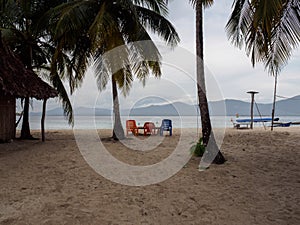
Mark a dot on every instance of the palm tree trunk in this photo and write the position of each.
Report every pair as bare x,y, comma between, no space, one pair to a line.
43,119
118,131
203,103
25,131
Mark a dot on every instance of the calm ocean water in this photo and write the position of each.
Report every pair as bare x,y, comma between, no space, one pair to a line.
105,122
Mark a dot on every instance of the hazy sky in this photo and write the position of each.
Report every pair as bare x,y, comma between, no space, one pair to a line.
229,66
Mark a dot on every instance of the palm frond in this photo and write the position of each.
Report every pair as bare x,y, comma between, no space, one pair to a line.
158,6
70,19
256,47
79,62
205,3
102,28
269,29
285,37
144,57
239,22
115,62
124,79
102,73
63,96
158,25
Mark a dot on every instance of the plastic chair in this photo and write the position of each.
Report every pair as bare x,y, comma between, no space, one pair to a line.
149,128
131,127
166,125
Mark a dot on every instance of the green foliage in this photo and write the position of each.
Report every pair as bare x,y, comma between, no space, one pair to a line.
198,149
25,27
63,38
270,30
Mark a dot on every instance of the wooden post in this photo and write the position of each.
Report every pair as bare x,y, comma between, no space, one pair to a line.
43,119
252,103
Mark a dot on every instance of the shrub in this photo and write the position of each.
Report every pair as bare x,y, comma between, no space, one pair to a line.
198,149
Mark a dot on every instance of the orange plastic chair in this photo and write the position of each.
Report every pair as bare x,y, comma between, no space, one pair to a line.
131,127
149,128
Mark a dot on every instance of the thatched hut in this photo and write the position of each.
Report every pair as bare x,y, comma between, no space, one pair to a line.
17,82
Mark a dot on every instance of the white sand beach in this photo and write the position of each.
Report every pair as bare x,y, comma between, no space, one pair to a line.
51,183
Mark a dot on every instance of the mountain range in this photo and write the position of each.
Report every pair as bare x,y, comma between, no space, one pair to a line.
286,107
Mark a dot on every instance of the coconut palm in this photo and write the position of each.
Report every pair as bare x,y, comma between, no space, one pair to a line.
22,30
104,25
207,134
270,31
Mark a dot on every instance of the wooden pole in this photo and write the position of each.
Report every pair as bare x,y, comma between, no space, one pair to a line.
252,103
43,119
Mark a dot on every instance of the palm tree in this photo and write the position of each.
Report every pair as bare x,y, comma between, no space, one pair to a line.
105,25
123,63
270,31
207,133
21,27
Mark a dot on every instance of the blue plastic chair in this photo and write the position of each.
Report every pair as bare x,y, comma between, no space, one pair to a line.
166,125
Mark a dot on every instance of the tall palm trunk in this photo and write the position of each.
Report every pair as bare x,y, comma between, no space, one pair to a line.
25,132
118,131
207,133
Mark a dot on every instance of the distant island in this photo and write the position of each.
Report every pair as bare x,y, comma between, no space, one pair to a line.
286,107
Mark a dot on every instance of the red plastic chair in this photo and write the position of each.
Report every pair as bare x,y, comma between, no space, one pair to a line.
149,128
131,127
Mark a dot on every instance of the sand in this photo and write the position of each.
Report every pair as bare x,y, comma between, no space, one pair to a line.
51,183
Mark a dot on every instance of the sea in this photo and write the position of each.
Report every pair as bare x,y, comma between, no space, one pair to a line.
106,122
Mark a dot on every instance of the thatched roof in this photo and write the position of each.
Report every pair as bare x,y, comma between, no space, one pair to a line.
18,81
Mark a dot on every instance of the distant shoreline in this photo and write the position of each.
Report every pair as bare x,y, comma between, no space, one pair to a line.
105,122
287,107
